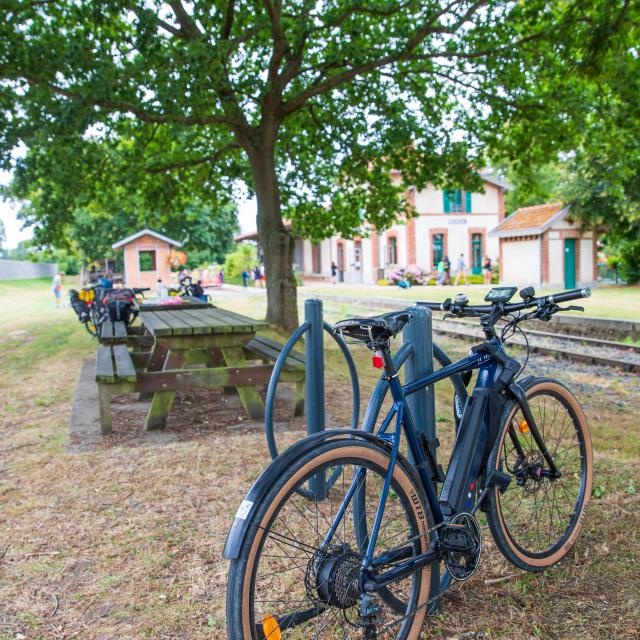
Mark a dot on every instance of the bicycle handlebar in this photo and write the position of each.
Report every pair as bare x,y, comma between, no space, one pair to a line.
553,299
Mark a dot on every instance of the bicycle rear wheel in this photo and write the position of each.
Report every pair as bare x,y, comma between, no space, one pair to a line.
287,583
537,520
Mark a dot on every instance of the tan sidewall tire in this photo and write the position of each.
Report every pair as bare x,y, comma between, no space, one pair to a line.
380,458
521,559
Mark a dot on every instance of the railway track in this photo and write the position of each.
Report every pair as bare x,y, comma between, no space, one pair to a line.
578,348
591,350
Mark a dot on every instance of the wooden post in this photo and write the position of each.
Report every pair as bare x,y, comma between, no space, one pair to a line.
249,395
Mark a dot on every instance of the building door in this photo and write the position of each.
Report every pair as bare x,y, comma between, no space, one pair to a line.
357,262
438,248
569,263
340,262
476,254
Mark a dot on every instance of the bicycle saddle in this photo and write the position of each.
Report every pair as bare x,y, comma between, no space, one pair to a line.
370,330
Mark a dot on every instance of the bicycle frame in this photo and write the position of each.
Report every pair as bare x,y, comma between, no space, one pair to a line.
467,459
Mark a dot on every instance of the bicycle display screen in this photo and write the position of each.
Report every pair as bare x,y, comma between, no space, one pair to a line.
500,294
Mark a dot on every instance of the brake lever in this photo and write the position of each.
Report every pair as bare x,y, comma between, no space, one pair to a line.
571,307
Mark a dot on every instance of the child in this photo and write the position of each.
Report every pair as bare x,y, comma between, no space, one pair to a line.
245,279
56,287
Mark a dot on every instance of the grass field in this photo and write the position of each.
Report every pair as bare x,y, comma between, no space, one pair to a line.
124,541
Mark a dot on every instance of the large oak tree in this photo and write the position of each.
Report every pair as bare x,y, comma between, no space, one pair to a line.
310,103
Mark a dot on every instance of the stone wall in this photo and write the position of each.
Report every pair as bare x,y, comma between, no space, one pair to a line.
24,269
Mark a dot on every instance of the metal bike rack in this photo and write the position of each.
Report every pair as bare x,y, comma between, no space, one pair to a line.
416,354
315,326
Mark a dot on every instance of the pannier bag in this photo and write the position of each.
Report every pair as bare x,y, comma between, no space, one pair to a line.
79,306
87,295
119,304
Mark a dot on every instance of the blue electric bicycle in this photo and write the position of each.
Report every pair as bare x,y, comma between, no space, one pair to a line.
357,561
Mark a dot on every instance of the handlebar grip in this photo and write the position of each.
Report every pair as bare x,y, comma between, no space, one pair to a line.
565,296
434,306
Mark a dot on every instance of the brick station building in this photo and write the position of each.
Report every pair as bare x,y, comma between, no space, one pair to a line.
447,222
146,258
541,245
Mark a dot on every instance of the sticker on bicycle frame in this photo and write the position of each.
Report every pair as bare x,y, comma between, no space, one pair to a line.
243,509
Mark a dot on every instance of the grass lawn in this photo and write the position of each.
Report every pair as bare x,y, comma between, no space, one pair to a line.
124,541
622,303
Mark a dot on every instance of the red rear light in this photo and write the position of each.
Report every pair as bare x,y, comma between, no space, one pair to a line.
378,361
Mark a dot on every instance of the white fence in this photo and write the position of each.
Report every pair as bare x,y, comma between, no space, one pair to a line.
24,269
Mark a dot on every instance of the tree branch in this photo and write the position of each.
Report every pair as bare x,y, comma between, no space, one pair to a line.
320,87
120,106
187,24
185,164
227,24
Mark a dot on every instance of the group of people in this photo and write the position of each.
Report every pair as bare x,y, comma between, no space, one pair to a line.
258,275
444,271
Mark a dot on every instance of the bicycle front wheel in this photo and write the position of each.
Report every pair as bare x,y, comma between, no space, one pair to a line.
537,520
288,583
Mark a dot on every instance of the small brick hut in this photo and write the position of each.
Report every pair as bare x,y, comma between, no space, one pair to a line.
541,245
146,258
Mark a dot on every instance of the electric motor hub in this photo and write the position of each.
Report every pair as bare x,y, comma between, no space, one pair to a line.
332,576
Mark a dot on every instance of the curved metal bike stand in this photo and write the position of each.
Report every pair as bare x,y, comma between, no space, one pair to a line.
273,386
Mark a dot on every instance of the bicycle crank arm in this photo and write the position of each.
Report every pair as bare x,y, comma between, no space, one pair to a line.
373,583
293,619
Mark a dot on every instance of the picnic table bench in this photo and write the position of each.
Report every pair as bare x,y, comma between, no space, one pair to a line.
113,332
193,348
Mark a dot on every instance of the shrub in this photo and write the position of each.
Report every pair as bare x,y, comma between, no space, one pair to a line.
411,274
244,257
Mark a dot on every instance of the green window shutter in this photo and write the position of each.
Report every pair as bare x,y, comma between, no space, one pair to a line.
467,204
447,201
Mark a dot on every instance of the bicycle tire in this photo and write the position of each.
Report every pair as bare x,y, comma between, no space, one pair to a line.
513,529
244,614
91,328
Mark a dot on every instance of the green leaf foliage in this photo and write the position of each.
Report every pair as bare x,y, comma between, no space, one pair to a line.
310,104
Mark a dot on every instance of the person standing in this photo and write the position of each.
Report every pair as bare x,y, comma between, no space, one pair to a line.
334,273
441,274
245,279
256,277
447,270
56,287
263,277
461,272
488,270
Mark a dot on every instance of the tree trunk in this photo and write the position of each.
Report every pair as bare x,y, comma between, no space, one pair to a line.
276,242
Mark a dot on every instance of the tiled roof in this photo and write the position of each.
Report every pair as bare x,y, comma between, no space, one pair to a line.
530,220
145,232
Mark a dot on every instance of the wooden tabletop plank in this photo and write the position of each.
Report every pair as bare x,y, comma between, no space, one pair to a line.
210,323
179,325
239,323
124,365
199,323
155,324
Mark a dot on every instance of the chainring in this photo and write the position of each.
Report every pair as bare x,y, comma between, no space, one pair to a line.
463,564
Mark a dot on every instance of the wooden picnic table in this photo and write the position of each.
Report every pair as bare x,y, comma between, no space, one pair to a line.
181,349
210,336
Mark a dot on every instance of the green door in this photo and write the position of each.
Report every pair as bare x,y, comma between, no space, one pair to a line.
438,248
476,254
569,263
